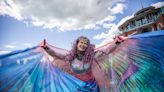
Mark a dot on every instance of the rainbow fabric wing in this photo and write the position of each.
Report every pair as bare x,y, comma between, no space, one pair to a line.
137,64
31,71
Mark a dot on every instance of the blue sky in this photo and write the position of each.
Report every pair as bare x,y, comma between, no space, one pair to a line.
25,23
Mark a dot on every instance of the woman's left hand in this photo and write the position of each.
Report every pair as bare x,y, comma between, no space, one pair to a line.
120,39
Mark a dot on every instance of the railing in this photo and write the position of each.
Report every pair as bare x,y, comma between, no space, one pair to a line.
140,24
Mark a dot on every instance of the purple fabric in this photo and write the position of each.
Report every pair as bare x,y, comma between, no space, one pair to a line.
131,69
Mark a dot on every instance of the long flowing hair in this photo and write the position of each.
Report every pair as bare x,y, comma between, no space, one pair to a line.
89,53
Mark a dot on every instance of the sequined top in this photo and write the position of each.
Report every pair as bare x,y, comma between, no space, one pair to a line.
79,67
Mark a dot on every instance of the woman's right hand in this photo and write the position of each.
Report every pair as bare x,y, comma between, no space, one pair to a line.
43,44
43,47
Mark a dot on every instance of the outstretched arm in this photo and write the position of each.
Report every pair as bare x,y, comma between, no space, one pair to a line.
47,48
113,45
102,52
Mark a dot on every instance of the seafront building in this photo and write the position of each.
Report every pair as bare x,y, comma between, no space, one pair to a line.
145,20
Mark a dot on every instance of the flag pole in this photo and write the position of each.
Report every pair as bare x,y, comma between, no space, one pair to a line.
141,4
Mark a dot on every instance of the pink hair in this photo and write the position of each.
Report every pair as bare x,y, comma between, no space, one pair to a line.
89,53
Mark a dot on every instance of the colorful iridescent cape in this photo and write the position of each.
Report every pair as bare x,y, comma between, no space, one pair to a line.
136,65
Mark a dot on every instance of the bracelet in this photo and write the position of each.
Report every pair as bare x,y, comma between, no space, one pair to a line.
117,42
46,48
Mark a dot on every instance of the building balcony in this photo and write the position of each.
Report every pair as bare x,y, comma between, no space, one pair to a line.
138,24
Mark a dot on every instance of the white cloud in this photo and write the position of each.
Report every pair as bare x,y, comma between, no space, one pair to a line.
4,52
28,44
8,7
14,46
10,46
112,32
107,25
108,36
159,4
118,8
113,28
62,14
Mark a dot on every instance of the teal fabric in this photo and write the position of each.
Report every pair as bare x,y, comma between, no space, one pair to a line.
29,71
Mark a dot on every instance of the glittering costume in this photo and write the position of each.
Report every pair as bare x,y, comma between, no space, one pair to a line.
135,65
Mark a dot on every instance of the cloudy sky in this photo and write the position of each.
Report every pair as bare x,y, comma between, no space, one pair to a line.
25,23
